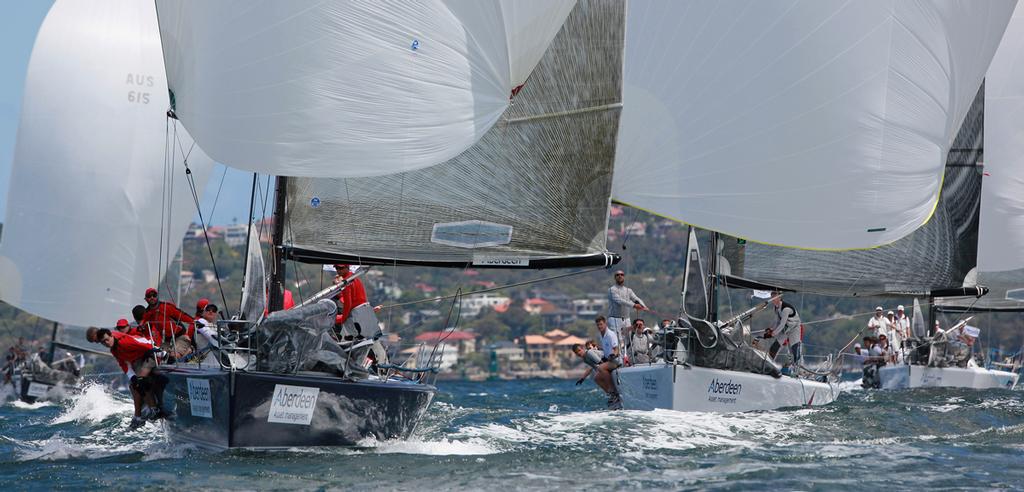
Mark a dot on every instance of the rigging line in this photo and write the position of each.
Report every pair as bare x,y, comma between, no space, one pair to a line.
168,145
206,235
448,322
216,197
497,288
851,316
170,209
625,237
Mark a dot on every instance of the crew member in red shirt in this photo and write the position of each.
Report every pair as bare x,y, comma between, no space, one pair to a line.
351,297
137,357
172,325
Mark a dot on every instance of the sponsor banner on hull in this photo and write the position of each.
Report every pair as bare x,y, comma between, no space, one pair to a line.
724,392
199,399
38,390
293,404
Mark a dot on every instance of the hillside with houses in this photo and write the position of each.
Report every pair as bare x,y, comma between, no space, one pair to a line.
507,323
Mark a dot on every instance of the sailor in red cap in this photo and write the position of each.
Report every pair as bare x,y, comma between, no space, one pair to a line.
200,306
173,327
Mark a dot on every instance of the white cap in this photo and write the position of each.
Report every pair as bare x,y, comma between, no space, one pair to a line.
890,312
856,345
972,331
900,308
879,308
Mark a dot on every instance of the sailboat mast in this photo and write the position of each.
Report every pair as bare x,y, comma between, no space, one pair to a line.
713,279
53,338
277,273
930,326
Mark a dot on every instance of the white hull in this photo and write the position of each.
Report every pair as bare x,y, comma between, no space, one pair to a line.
700,389
907,376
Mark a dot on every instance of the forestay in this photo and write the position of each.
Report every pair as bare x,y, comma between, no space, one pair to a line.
938,255
532,193
813,124
86,210
348,88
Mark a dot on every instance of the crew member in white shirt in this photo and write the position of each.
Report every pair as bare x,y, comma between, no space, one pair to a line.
878,325
612,360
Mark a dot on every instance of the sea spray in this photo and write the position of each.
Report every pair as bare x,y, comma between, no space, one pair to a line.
94,404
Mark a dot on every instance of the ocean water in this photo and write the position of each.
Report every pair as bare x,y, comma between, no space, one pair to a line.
547,434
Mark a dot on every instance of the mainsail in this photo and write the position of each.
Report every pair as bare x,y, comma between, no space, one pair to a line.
937,256
815,124
87,209
533,192
1001,229
348,88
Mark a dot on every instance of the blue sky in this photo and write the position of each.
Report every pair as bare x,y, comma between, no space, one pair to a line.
18,26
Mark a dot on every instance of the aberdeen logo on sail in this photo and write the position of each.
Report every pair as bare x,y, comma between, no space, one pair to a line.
724,388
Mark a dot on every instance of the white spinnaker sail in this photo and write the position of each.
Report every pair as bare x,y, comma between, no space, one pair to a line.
813,124
85,209
348,88
1001,230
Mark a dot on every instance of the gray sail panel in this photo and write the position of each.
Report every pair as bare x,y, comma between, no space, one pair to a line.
939,255
696,302
536,186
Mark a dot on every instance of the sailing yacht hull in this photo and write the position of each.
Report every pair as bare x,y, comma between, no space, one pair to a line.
221,409
701,389
913,376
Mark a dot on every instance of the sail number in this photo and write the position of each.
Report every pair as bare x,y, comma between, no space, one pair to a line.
138,97
135,81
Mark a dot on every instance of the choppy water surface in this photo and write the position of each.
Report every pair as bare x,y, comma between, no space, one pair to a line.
551,434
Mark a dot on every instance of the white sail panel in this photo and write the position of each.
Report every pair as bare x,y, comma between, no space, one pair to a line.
81,238
813,124
347,89
532,193
1001,233
254,292
530,26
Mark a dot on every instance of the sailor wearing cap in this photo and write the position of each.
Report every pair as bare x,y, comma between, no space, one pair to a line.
621,300
902,324
878,324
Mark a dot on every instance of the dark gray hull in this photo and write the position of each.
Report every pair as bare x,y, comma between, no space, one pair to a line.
264,410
